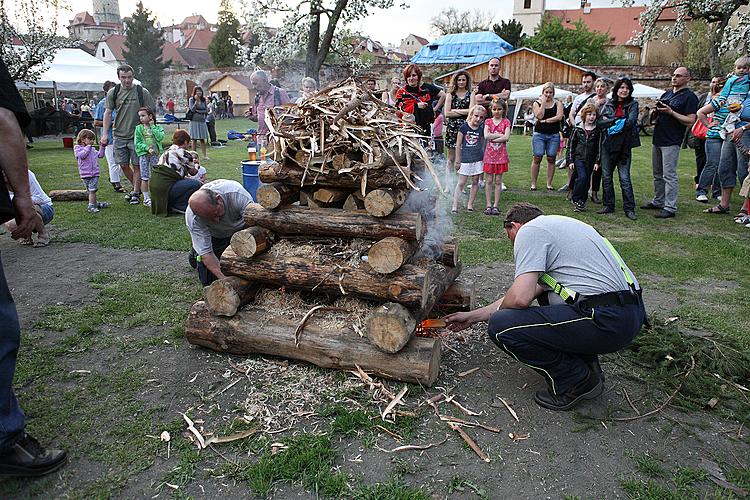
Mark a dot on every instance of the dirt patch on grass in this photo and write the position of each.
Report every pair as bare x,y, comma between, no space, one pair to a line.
149,375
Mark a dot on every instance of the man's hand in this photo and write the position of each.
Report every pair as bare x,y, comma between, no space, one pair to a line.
505,94
458,321
737,134
103,140
25,217
596,167
571,166
421,105
665,109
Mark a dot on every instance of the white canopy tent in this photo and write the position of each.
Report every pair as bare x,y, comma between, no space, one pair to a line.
74,70
641,91
531,94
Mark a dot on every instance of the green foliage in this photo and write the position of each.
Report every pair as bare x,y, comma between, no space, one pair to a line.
223,48
649,465
394,489
697,47
577,45
512,32
143,48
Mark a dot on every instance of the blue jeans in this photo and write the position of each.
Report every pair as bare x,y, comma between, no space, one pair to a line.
709,174
733,162
558,341
179,194
12,420
621,160
582,180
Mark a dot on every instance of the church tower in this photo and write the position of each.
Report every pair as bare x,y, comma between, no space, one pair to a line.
107,11
529,13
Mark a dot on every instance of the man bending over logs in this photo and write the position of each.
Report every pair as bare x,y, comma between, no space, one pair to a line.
213,215
590,304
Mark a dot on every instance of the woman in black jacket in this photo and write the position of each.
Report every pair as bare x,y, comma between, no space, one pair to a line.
584,154
619,124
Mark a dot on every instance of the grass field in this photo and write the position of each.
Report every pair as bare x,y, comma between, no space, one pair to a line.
100,415
688,253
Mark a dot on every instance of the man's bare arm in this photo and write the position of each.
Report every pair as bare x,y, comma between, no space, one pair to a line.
13,162
212,264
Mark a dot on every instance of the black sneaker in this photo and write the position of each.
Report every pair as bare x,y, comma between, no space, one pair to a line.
605,210
631,215
596,369
664,214
28,458
579,207
650,206
589,388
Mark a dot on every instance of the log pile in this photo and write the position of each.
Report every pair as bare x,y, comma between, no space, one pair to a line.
351,261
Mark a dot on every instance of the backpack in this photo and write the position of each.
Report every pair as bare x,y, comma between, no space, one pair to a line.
138,90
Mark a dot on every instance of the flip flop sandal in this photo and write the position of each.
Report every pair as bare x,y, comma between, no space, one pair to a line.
488,211
118,188
454,211
718,209
495,211
469,209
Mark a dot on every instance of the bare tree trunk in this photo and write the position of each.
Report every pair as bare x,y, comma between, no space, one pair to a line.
317,48
714,61
313,41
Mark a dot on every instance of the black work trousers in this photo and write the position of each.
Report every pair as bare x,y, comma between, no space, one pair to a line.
206,276
559,341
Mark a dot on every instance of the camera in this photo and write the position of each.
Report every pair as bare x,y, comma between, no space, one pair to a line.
661,104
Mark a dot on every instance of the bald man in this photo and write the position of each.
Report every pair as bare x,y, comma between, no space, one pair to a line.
675,111
213,215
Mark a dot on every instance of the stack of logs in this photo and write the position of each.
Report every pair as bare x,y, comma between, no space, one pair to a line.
347,171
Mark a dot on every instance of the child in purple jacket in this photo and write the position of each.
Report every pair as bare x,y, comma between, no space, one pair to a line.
88,166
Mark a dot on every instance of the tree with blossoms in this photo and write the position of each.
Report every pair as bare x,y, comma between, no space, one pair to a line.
313,29
725,35
27,46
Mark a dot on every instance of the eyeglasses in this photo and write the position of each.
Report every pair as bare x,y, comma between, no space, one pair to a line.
680,76
507,224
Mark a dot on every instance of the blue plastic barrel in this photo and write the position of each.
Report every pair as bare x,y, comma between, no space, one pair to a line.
250,179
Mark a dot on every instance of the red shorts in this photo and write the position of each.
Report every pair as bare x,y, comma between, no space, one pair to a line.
495,168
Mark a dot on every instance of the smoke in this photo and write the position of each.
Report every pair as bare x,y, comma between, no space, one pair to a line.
434,207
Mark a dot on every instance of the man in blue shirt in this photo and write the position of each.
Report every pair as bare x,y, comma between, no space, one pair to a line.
109,150
675,111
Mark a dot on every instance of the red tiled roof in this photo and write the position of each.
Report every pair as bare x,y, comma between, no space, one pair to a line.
115,43
82,18
421,40
197,39
196,19
621,23
169,54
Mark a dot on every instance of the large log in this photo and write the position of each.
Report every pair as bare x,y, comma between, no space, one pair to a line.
383,202
272,196
381,177
251,241
225,296
445,253
410,285
391,326
69,195
389,254
340,349
335,222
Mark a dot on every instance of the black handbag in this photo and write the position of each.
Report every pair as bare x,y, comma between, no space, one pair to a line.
189,114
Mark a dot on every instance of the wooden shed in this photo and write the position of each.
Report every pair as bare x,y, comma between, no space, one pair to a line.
525,67
238,87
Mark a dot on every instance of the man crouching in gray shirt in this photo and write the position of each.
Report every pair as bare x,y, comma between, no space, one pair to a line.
214,214
590,304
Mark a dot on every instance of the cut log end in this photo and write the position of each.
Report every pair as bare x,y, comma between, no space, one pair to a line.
251,241
389,254
383,202
390,327
224,297
272,196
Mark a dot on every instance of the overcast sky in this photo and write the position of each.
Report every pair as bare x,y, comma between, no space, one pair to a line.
388,27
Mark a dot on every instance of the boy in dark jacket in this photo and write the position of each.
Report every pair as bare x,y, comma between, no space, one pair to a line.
583,155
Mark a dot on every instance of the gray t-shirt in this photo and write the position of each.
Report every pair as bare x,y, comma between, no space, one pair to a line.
236,200
570,251
127,106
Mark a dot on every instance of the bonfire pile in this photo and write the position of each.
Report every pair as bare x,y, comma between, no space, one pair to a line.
340,263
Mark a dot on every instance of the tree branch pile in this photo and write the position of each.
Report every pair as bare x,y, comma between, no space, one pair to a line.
302,247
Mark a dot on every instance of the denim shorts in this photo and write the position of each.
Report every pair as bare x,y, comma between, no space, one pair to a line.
147,162
46,211
545,144
125,152
91,183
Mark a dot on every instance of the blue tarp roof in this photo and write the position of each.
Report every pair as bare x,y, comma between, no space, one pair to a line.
462,48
